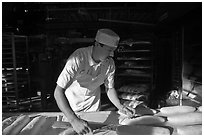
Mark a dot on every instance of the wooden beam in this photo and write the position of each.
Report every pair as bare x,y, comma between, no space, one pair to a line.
126,22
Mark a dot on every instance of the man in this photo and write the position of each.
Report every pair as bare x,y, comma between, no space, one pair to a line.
78,86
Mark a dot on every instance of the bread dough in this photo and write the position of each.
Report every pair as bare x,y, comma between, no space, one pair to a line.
176,110
190,130
147,120
17,125
185,119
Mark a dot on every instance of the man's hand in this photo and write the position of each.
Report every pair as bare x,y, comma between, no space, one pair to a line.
81,126
129,111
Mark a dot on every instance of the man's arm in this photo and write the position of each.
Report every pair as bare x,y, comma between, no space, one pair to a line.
112,95
63,103
79,125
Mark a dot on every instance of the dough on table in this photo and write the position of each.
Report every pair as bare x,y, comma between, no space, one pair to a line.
190,130
192,118
147,120
171,110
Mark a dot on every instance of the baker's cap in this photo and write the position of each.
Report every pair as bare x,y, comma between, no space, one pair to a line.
107,37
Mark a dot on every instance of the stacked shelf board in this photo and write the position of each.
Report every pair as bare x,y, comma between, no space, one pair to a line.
15,73
134,70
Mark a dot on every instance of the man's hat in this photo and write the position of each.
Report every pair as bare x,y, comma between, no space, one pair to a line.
107,37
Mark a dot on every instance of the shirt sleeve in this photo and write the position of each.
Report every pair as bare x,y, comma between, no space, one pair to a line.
109,81
69,71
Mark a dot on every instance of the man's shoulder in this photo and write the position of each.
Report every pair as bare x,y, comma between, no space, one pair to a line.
81,52
110,61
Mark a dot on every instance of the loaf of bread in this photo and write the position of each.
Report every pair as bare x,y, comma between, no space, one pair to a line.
8,121
17,125
143,120
33,127
190,130
176,110
185,119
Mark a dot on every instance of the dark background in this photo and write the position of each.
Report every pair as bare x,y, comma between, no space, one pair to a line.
55,30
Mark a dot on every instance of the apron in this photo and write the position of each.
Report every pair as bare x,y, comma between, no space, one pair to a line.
84,93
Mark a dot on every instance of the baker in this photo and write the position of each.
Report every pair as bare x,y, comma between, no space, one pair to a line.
78,85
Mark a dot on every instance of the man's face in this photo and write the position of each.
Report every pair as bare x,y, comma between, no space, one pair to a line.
105,51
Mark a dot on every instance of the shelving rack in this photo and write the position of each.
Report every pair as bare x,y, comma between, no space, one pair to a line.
134,64
15,73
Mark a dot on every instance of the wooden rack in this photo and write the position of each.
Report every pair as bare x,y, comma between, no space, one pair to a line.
134,65
15,73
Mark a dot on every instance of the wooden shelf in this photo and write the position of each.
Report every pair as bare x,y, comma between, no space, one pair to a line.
133,59
134,63
134,51
135,67
15,79
133,75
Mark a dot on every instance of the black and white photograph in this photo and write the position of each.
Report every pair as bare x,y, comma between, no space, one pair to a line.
101,68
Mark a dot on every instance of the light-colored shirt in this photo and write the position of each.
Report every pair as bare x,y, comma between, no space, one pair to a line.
87,76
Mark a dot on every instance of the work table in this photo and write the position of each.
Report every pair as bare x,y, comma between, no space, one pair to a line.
103,122
101,118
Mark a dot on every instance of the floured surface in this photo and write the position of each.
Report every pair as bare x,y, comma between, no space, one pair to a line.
55,123
142,130
106,123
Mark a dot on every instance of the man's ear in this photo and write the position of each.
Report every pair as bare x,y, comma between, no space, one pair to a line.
96,43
